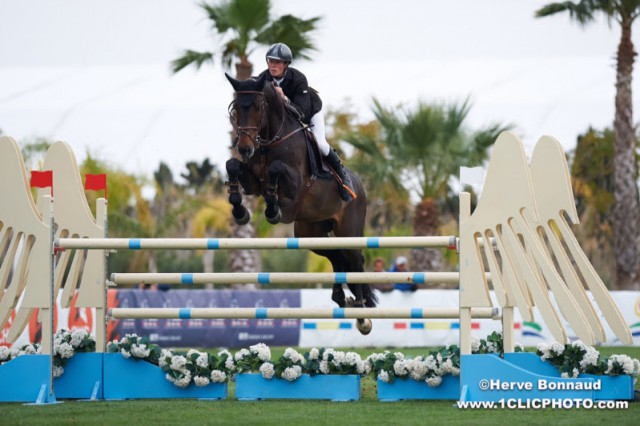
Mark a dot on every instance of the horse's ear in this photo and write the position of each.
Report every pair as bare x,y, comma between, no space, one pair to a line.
233,81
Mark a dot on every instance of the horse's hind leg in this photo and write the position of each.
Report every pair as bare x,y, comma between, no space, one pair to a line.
239,212
321,229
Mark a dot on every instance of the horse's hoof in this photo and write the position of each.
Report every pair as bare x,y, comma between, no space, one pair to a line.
364,326
349,302
276,219
244,219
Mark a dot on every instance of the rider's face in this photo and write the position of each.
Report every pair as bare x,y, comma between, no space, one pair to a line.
276,68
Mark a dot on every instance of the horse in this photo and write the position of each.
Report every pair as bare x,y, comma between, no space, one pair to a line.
275,157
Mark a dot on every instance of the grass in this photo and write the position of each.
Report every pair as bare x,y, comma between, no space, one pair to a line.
368,411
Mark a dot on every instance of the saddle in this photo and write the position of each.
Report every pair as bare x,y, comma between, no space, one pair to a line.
318,168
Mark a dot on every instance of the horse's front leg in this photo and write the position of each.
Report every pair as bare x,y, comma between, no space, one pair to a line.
240,213
272,213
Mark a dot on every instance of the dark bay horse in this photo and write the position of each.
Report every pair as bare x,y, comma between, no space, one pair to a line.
273,157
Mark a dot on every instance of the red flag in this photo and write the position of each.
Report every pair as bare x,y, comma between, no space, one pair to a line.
42,179
96,183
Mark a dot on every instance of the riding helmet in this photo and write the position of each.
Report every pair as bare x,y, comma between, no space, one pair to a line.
280,52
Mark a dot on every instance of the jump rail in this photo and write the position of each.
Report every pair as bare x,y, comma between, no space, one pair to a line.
301,313
257,244
287,278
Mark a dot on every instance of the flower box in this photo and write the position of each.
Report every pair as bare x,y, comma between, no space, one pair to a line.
82,377
611,387
405,389
251,387
128,378
26,379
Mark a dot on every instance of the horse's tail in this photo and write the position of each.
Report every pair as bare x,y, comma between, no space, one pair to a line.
370,296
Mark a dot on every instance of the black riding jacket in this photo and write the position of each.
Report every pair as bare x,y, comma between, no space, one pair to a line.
295,87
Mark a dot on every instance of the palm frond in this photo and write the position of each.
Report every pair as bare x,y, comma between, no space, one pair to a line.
582,11
292,31
190,57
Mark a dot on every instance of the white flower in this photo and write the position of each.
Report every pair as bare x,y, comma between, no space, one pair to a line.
434,381
224,352
164,354
124,353
399,355
362,367
292,373
202,360
218,376
241,354
417,369
564,375
327,352
192,352
447,366
475,344
383,376
338,358
5,353
431,363
262,350
57,371
267,370
558,348
77,336
229,364
314,353
491,348
184,381
627,364
589,358
177,362
293,355
352,358
400,368
65,350
28,349
324,367
201,380
140,351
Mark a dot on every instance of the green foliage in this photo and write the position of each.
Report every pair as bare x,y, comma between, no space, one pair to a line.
244,25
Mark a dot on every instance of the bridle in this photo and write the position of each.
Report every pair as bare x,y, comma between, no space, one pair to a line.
263,109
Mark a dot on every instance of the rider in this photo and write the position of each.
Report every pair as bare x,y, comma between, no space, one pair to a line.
293,87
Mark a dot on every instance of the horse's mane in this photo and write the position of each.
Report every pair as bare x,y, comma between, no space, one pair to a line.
271,94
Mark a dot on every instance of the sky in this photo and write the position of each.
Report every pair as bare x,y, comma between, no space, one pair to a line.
96,73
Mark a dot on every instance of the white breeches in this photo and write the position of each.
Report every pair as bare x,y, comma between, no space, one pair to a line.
317,128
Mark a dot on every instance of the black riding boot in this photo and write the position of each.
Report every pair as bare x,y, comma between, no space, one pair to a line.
346,187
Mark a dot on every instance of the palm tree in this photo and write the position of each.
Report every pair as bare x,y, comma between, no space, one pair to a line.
423,149
626,212
243,26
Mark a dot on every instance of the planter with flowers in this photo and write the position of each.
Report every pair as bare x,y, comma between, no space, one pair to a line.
318,374
137,369
557,372
615,376
28,375
435,376
77,368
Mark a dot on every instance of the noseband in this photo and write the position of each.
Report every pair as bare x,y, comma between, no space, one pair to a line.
246,130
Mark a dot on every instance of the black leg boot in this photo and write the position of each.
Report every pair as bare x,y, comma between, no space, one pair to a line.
346,187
